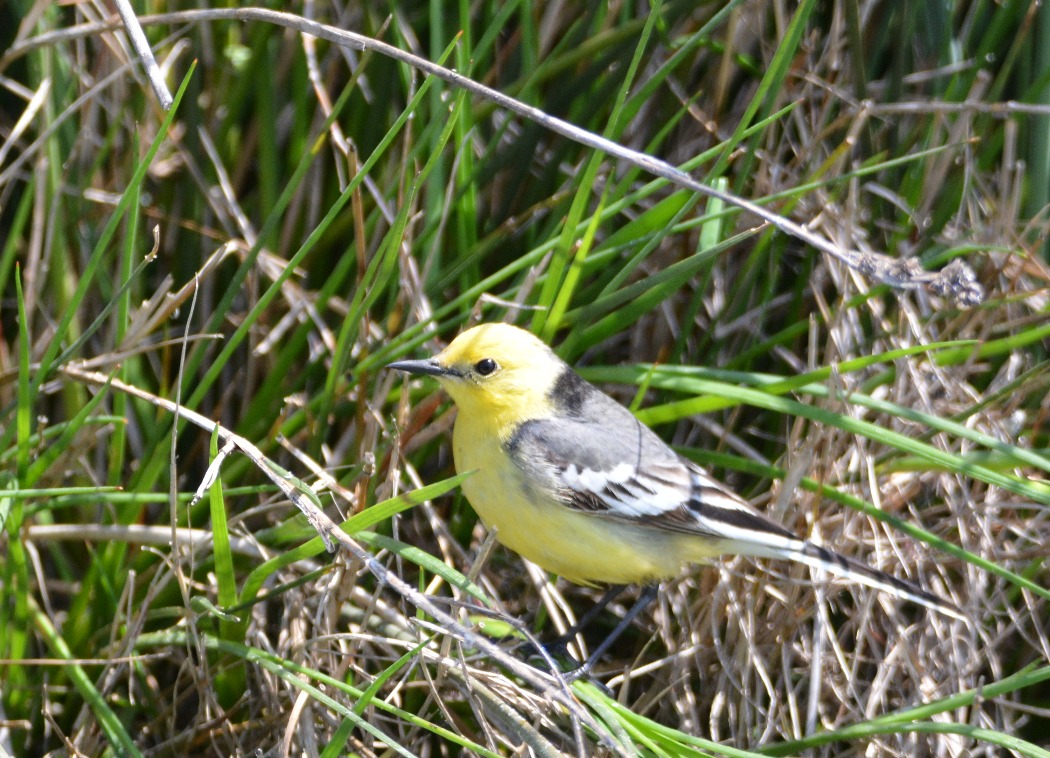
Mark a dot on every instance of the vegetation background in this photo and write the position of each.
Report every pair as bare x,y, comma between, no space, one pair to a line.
316,211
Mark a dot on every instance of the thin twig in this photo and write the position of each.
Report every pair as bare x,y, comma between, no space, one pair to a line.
142,49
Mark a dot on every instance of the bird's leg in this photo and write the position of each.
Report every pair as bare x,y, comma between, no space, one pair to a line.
559,645
648,595
561,642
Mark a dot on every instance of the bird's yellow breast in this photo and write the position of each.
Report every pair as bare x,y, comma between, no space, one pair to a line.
582,547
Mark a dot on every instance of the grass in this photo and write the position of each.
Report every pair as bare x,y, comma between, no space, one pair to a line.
196,307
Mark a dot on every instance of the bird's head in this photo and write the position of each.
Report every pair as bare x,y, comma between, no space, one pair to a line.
496,369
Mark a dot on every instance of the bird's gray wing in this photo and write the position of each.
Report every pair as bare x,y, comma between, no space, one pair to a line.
602,460
608,463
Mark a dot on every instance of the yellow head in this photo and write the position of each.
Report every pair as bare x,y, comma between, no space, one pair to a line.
495,369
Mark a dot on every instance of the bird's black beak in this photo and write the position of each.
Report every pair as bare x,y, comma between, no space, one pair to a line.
427,366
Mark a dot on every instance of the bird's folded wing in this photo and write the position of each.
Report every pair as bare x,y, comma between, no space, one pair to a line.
625,471
595,467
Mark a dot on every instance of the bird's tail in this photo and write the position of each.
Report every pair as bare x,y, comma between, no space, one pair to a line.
817,557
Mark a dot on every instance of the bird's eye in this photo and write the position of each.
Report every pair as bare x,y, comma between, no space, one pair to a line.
485,366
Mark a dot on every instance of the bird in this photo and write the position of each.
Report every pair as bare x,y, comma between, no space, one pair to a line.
572,481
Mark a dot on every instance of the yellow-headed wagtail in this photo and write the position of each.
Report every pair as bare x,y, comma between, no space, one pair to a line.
573,482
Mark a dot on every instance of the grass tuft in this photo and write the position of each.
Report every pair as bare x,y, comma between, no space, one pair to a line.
196,306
